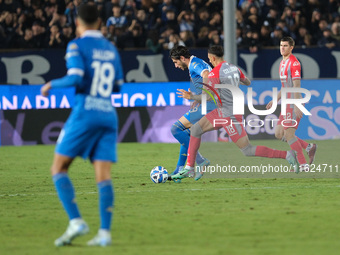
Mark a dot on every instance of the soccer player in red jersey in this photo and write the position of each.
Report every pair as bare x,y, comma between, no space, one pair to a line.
224,73
290,76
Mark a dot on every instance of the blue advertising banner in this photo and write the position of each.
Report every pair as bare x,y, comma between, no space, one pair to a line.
132,94
38,67
324,123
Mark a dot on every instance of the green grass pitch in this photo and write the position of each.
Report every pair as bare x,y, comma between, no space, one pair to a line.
220,214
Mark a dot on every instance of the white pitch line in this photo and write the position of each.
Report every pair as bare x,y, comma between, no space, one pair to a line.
167,190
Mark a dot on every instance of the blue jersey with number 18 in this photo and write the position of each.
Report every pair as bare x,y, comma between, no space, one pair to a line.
94,68
97,61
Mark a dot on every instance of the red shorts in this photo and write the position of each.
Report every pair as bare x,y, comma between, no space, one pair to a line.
289,120
234,125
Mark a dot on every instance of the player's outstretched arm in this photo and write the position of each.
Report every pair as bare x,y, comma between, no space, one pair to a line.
245,81
44,91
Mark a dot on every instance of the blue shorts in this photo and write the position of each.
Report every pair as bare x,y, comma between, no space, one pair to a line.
89,139
195,114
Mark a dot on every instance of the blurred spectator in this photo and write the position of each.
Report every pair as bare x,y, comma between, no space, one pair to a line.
152,42
268,4
170,21
188,38
327,40
118,20
215,39
133,38
318,33
202,20
251,41
284,28
216,21
265,38
303,38
276,36
10,6
314,23
71,12
174,40
109,7
272,17
26,41
239,19
291,20
130,11
186,21
336,30
39,34
202,38
214,6
67,34
253,23
55,38
166,6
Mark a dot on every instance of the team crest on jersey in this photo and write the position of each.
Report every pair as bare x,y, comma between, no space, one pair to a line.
73,46
297,73
296,63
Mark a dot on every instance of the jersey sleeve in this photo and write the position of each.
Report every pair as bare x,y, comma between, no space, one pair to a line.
295,70
75,68
242,76
74,61
200,67
213,78
119,79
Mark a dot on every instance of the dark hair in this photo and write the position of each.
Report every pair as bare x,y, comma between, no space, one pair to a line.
88,13
178,51
216,50
288,39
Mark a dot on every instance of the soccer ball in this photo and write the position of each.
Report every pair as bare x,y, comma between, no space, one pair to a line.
159,174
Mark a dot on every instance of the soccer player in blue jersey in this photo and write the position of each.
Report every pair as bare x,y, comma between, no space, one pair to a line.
198,70
94,69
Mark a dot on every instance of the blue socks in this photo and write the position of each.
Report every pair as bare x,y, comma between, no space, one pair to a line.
66,194
182,134
106,199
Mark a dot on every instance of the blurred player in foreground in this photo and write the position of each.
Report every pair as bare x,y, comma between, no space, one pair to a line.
290,76
94,69
198,70
228,74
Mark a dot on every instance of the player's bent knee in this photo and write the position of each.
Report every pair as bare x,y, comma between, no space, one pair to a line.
196,130
174,129
249,150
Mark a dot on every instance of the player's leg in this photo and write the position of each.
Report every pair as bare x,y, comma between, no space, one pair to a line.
279,132
180,130
295,145
197,130
66,194
106,201
263,151
309,147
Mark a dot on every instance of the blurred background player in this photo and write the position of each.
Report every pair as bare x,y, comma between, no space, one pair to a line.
228,74
198,70
290,76
94,68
